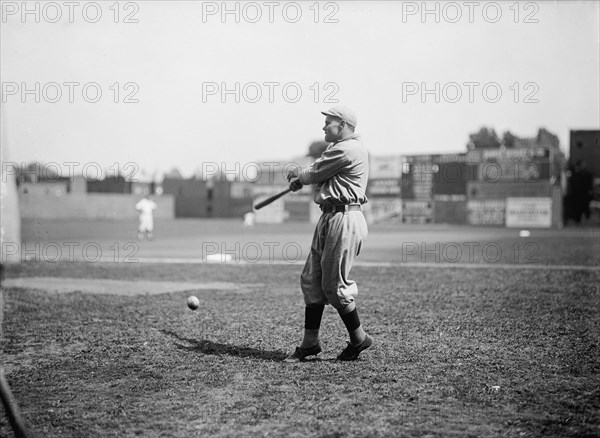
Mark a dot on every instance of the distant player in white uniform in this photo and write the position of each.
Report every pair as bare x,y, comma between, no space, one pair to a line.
249,220
341,175
146,208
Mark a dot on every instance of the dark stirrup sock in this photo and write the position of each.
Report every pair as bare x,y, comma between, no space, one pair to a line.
352,323
312,316
312,323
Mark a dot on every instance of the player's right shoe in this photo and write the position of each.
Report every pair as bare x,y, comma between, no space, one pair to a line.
302,353
351,352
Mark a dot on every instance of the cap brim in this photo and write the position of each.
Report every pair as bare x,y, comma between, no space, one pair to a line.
327,113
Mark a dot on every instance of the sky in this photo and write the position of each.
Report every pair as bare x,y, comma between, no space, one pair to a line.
187,84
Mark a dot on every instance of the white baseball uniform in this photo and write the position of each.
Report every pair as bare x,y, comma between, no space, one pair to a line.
341,175
146,208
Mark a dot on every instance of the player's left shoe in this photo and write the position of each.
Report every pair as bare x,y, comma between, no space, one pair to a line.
302,353
351,352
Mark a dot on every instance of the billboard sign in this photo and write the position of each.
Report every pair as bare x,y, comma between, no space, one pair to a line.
529,212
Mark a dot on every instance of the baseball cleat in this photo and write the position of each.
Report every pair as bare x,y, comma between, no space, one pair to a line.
301,353
351,352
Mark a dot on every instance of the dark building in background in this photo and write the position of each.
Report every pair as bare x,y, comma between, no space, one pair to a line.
452,173
583,175
434,188
585,148
191,197
199,198
114,184
41,176
222,203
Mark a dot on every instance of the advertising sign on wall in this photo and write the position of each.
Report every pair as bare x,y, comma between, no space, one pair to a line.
486,212
529,212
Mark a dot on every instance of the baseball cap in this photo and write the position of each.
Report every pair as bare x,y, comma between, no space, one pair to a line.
344,113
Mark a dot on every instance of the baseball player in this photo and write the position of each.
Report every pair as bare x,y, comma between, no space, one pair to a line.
146,208
249,220
341,175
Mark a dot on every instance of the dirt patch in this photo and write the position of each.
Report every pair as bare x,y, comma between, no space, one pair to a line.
114,287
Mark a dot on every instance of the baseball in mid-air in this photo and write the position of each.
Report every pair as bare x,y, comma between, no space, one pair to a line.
193,302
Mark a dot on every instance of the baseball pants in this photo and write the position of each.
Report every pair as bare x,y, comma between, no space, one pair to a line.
337,241
146,224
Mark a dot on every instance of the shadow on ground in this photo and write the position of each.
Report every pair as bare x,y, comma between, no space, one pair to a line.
215,348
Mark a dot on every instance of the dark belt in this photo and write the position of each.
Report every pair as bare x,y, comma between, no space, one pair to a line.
340,208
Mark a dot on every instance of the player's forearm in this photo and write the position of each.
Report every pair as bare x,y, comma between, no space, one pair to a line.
330,163
315,176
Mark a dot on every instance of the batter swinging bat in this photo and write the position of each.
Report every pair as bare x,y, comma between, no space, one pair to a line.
271,199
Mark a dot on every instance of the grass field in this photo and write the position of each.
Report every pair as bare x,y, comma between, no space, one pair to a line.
469,346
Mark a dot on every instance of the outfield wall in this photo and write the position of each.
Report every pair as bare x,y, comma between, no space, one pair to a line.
90,206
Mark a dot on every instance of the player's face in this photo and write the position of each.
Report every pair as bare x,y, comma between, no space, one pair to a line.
332,128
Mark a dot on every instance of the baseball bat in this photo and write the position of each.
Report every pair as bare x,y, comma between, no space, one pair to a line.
271,199
12,409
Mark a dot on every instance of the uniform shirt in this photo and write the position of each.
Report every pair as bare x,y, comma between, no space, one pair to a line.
145,207
341,173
